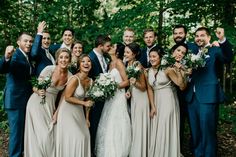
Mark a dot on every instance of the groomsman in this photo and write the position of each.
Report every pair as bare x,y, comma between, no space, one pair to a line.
68,39
179,36
203,96
40,52
149,37
17,90
128,37
100,64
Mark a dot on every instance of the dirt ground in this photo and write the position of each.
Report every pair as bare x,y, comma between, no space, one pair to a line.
226,143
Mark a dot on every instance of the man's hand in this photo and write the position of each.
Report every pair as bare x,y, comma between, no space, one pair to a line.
9,51
220,33
41,26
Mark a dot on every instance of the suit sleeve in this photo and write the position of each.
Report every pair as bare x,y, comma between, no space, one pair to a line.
4,65
227,51
35,50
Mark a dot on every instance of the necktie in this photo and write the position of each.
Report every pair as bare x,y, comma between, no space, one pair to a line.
27,58
104,64
49,56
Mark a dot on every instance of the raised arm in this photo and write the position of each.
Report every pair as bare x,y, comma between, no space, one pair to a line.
37,45
177,76
5,61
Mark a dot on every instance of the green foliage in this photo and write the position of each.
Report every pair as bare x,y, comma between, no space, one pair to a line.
3,118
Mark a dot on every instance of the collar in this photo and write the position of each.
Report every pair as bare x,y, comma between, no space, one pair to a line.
207,45
148,49
64,45
23,53
97,53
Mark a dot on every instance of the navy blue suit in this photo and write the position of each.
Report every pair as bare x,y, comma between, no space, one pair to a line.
95,112
203,96
38,54
143,58
16,94
183,104
53,49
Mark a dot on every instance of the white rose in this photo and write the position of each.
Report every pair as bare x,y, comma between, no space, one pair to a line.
98,93
164,61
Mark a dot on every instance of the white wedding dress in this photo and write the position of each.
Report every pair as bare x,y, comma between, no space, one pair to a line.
114,130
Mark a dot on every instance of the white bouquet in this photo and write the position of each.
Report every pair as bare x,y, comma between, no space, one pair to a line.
103,88
195,61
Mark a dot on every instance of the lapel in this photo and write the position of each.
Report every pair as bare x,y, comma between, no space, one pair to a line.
97,66
27,63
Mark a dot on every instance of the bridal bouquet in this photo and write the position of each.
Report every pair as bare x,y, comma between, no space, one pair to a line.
167,61
195,61
103,88
133,70
41,83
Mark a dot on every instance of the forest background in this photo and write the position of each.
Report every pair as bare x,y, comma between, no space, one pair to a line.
90,18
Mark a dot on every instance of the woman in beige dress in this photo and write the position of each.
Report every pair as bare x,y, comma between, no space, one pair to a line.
39,124
164,132
139,106
73,138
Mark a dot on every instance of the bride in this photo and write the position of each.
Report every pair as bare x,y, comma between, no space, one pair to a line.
114,129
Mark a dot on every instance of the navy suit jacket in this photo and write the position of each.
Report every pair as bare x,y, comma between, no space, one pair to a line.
96,67
38,54
18,87
53,49
143,58
205,81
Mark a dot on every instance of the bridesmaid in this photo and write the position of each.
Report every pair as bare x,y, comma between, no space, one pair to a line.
73,138
77,50
139,106
39,123
164,133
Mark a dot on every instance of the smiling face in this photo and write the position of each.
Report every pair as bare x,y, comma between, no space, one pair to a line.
63,59
155,59
202,38
150,38
46,40
85,64
179,53
67,38
77,49
25,42
179,35
129,55
128,37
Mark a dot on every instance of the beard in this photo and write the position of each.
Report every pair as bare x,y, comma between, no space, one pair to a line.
179,40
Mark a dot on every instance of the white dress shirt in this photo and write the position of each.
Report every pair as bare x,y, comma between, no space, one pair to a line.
101,61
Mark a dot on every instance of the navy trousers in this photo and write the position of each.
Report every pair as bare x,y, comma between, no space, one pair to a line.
16,120
203,126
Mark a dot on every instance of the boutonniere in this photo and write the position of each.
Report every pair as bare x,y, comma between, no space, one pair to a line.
205,50
107,59
33,63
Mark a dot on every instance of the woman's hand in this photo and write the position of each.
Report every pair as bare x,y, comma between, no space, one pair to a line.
41,92
54,117
88,103
88,123
153,112
132,81
127,94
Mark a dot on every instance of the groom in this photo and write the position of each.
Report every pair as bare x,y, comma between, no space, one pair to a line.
99,65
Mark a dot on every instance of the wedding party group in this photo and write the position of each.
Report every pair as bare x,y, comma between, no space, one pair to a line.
119,100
